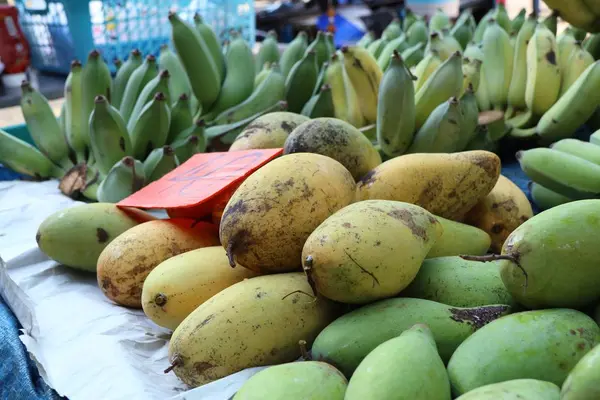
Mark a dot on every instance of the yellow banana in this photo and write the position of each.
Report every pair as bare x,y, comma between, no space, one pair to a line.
124,178
566,44
151,129
516,92
471,75
497,63
74,122
345,99
425,68
578,62
25,159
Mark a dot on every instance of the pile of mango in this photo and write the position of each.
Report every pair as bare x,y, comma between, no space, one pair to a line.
426,276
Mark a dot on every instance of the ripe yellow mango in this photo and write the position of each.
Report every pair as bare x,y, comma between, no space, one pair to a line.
268,132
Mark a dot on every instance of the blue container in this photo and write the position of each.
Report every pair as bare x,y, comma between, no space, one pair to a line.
60,31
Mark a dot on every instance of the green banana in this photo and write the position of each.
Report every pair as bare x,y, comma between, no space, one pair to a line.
417,33
123,75
212,43
574,108
592,45
579,148
108,136
197,60
439,20
562,173
577,33
501,15
320,47
366,39
413,55
545,198
518,82
197,128
441,132
25,159
268,52
62,118
95,81
292,53
409,19
320,105
186,148
481,141
118,64
260,77
498,63
398,44
136,83
151,128
320,78
444,83
469,119
301,81
376,47
578,62
181,118
462,30
73,118
495,125
551,22
518,21
471,75
445,45
425,68
474,52
482,95
225,47
159,162
393,30
43,126
330,43
396,108
566,44
195,106
160,84
595,138
178,83
124,178
482,26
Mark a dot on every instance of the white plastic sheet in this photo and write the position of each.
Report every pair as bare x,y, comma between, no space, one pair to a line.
85,346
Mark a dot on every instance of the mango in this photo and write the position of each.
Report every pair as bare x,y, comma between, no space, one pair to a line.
76,236
126,262
406,367
502,211
347,341
307,380
447,185
540,344
369,250
552,259
517,389
268,132
459,239
256,322
459,283
583,382
178,285
272,213
337,139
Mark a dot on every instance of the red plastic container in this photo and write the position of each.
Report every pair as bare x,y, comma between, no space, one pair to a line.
14,49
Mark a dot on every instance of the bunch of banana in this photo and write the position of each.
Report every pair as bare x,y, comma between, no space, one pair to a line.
583,14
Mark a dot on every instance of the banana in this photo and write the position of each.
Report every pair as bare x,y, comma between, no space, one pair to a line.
268,52
160,84
365,75
579,61
62,119
320,105
260,77
197,128
136,83
579,148
376,47
123,75
25,159
95,81
301,81
592,44
425,68
495,125
469,118
195,106
482,95
181,118
481,141
124,178
267,94
398,44
396,111
366,40
551,22
345,98
292,53
393,30
577,33
73,119
545,198
595,138
574,108
577,13
417,33
43,126
441,133
445,45
518,21
212,43
151,128
543,74
482,26
439,20
462,30
501,16
518,82
413,55
560,172
444,83
497,64
320,47
178,83
159,162
474,52
471,70
197,60
186,148
409,19
108,136
565,44
330,43
320,78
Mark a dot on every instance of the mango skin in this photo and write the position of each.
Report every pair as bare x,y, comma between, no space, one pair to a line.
583,382
559,249
272,213
541,344
76,236
447,185
406,367
459,239
306,380
459,283
518,389
178,285
502,211
369,250
347,341
126,262
253,323
268,132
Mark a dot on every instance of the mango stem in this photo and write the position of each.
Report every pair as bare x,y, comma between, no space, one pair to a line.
303,351
496,257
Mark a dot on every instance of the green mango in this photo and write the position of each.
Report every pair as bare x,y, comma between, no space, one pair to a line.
459,283
347,340
583,382
459,239
306,380
405,367
518,389
540,344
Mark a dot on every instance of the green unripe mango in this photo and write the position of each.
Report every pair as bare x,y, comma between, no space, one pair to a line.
518,389
583,382
460,239
306,380
540,344
347,340
459,283
406,367
76,236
